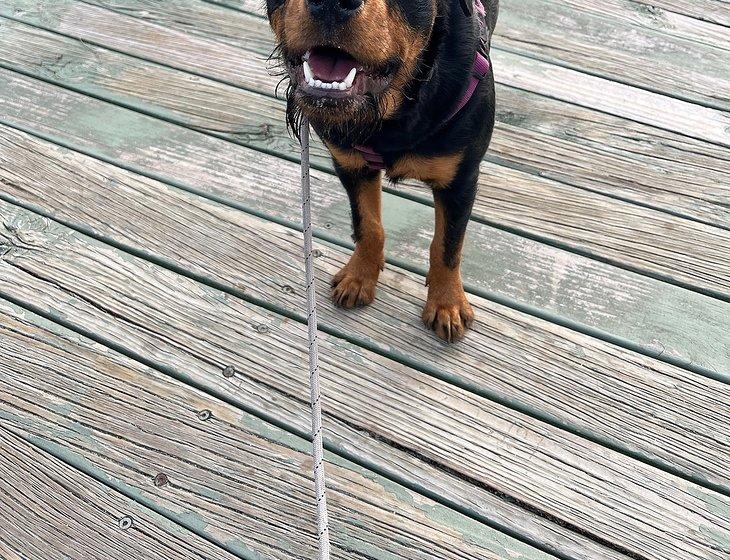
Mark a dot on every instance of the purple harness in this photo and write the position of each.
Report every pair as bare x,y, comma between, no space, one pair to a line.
479,71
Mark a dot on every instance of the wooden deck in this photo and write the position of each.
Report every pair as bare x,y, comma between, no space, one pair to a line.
153,390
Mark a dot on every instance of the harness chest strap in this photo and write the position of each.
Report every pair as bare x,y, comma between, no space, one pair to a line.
479,71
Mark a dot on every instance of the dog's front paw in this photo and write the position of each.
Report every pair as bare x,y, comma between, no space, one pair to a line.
448,314
354,286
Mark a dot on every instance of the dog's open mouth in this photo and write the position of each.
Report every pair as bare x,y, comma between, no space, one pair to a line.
330,72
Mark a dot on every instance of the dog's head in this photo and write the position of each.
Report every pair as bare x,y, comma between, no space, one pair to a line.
350,61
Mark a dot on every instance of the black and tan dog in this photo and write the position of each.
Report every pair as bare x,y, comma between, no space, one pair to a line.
403,86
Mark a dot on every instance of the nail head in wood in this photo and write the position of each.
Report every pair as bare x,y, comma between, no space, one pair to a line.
229,371
161,480
125,523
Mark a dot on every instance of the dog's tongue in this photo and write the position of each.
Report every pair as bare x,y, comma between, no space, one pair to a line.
331,65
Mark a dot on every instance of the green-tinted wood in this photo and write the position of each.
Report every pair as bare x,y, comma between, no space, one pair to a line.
691,16
177,322
51,510
136,307
597,43
192,50
716,11
604,45
655,19
575,380
683,251
548,138
641,311
244,484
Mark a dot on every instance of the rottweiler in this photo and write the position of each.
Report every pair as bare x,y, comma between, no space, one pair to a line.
404,87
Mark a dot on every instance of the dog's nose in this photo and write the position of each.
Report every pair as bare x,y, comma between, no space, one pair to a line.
333,13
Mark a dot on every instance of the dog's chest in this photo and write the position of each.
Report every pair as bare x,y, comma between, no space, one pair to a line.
436,171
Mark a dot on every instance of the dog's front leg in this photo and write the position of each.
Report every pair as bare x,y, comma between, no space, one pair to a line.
355,284
447,310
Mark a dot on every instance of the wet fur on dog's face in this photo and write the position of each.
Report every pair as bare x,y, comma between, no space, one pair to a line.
367,57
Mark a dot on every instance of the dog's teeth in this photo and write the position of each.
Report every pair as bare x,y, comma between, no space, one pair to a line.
327,86
318,83
350,79
311,82
308,74
343,86
306,55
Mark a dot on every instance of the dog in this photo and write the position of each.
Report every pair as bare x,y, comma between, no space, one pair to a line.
404,87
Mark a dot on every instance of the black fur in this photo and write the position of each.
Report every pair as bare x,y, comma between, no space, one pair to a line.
420,125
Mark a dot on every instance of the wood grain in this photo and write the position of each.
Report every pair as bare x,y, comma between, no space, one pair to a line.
656,18
607,46
694,14
716,11
637,309
193,51
48,506
243,483
275,389
170,319
545,137
395,444
531,363
598,43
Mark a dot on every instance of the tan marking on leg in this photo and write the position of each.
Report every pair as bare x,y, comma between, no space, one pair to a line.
437,171
348,159
447,310
355,284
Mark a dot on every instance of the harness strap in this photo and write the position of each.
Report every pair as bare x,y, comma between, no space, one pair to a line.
480,69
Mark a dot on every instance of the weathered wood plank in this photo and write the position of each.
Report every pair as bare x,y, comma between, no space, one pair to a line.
658,19
641,311
598,43
537,134
178,322
716,11
235,64
689,253
406,447
50,510
697,11
114,206
244,484
603,45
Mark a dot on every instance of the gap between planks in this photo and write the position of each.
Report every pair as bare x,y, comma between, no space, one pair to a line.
227,271
163,282
612,254
245,485
235,173
81,508
521,72
612,244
